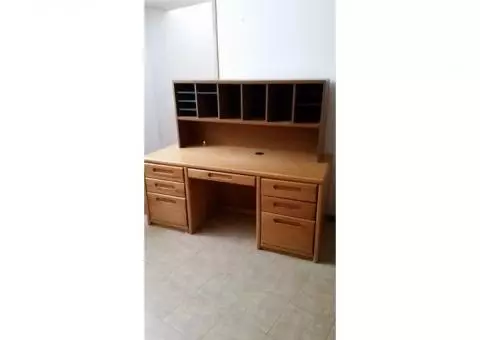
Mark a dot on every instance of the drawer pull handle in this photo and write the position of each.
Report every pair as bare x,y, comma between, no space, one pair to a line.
168,186
285,205
279,221
212,175
168,200
168,171
286,188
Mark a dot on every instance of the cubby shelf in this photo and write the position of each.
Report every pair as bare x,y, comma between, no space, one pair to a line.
262,103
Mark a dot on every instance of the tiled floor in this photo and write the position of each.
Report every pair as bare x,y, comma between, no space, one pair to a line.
215,285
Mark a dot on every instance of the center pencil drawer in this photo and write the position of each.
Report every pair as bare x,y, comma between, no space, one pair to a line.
288,207
287,233
169,210
165,187
169,173
294,190
222,177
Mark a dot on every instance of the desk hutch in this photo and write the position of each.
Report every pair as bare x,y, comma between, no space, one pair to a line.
250,146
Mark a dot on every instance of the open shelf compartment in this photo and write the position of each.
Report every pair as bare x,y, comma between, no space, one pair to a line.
206,89
230,99
185,101
254,101
308,103
184,88
207,100
280,103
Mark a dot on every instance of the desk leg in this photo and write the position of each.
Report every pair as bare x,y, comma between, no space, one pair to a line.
318,223
145,198
188,202
259,211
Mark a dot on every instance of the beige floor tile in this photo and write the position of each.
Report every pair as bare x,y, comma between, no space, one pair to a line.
291,324
316,285
191,276
236,327
162,245
244,285
323,271
331,336
194,317
156,273
320,304
214,290
320,330
164,298
217,285
309,334
262,307
287,285
155,329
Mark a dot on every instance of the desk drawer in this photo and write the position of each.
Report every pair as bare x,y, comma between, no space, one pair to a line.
171,173
287,233
294,190
288,207
168,210
222,177
165,187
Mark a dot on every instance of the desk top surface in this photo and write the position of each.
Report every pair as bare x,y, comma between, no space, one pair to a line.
286,165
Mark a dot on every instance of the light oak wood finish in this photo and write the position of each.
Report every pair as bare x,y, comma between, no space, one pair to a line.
201,201
283,206
279,164
321,149
246,146
271,137
221,177
233,196
166,172
319,223
258,211
263,102
292,190
165,187
145,198
187,202
290,234
323,192
253,81
167,210
250,122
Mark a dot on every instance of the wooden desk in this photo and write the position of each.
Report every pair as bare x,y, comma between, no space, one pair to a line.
288,165
289,190
254,146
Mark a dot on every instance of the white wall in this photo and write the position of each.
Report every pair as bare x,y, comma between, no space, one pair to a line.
179,44
276,39
154,73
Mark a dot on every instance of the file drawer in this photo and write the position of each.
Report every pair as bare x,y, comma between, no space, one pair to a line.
287,234
168,210
166,172
283,206
293,190
165,187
